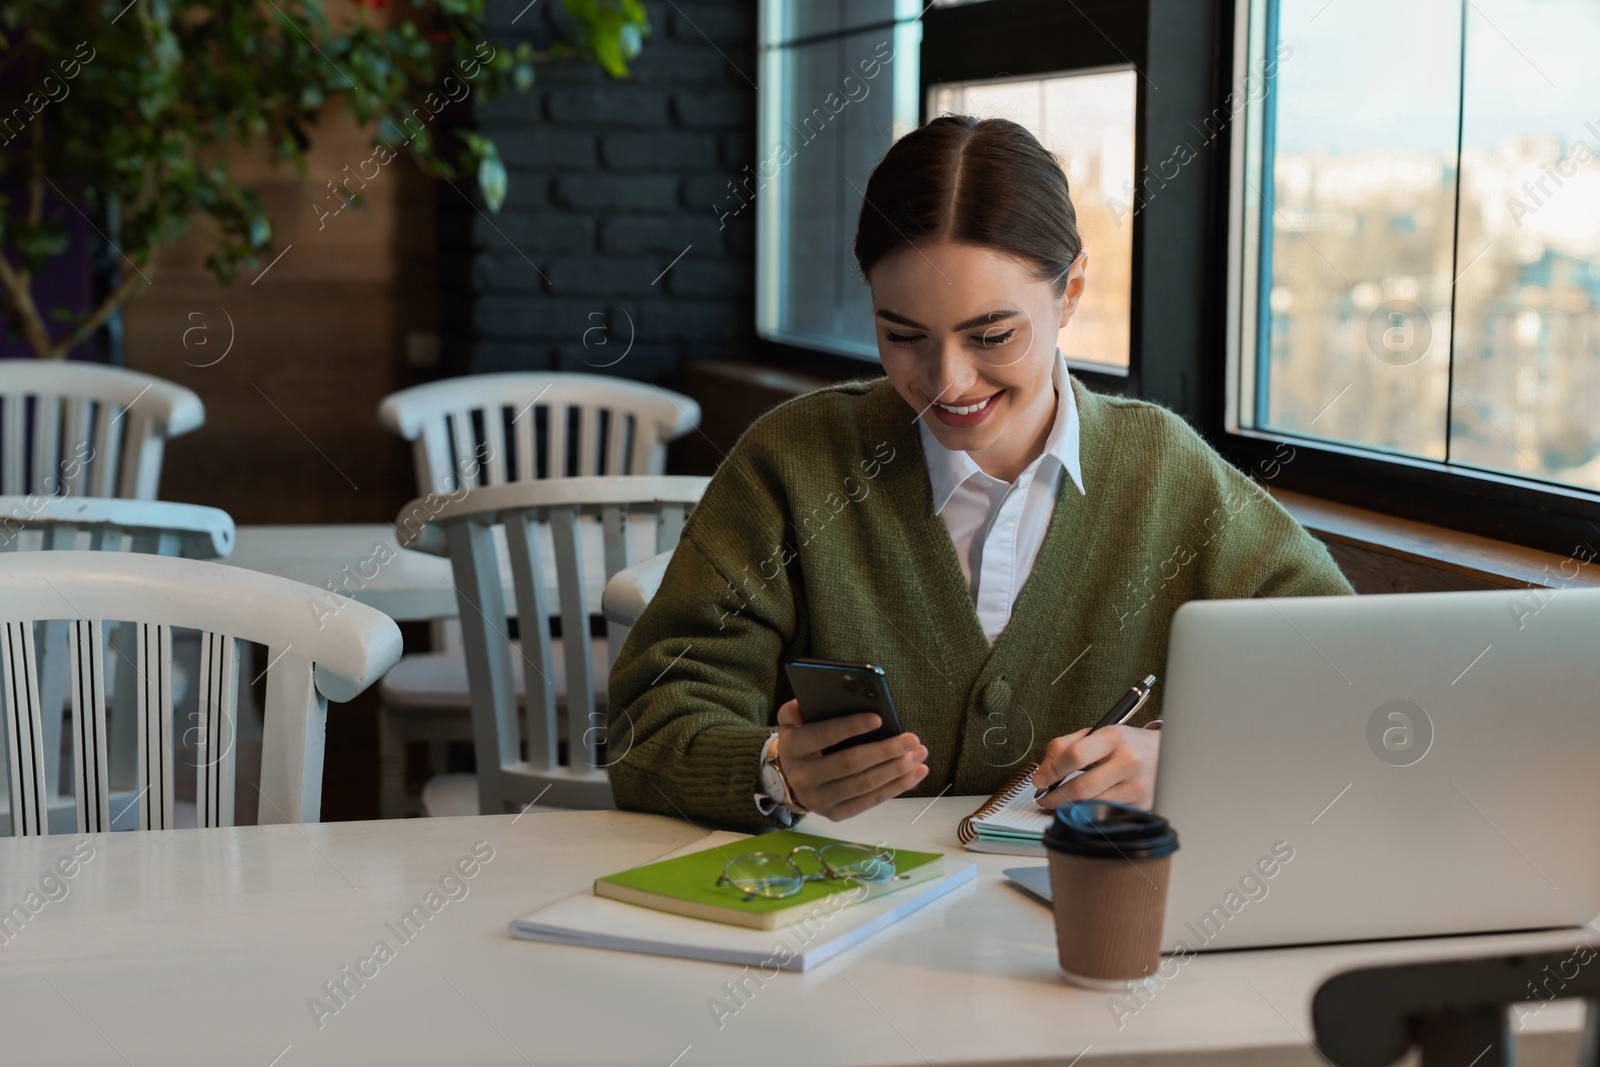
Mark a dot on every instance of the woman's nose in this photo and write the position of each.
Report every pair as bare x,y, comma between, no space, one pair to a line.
951,373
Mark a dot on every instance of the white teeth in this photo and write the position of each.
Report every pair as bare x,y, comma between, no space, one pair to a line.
970,408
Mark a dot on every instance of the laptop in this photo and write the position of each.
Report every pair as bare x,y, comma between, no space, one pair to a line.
1356,767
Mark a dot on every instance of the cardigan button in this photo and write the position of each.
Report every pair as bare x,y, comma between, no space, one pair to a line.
996,697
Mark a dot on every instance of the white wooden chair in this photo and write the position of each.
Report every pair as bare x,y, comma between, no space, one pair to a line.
310,662
490,429
55,523
629,590
159,527
495,429
517,765
94,430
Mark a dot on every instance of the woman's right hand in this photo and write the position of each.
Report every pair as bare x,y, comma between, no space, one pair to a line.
851,780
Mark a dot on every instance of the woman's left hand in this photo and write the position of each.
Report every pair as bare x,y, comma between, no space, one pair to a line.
1121,762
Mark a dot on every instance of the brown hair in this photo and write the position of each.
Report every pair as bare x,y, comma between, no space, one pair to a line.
978,181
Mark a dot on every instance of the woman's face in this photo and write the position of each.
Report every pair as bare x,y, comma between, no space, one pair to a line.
961,326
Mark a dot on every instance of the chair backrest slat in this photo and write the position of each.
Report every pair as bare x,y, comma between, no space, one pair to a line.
142,450
617,460
153,660
13,419
105,452
524,434
526,556
575,634
91,774
47,445
430,454
107,539
494,446
76,444
558,424
216,729
293,732
645,459
589,440
614,527
19,690
465,444
60,536
670,531
156,542
476,571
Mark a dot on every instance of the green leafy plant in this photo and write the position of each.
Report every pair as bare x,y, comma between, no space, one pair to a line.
126,108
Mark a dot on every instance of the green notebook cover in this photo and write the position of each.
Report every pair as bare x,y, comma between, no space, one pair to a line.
687,885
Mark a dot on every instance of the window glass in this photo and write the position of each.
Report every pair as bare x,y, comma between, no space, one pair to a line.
839,99
1526,394
1421,259
1087,120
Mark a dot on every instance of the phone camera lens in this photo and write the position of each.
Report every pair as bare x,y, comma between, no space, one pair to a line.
848,678
872,693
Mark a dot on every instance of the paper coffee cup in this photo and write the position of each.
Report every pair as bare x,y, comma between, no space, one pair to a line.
1109,865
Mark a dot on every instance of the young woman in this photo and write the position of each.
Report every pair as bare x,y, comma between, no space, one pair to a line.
1007,545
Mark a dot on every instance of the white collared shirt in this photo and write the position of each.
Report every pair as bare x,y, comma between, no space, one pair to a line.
998,527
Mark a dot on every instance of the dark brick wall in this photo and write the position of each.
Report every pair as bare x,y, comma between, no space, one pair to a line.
610,180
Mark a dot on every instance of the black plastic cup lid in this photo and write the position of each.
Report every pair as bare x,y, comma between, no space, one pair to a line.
1104,828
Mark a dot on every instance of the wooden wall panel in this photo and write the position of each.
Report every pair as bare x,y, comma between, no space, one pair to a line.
320,334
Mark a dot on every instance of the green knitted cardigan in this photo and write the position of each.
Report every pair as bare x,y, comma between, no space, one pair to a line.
817,537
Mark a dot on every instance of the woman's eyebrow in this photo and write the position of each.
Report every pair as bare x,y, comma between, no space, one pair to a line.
986,319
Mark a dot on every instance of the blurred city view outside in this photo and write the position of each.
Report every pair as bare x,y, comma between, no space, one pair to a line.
1087,120
1432,262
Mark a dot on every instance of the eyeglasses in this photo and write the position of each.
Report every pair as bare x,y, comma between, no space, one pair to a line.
767,874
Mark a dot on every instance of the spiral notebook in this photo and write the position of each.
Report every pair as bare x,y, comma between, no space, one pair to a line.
1009,822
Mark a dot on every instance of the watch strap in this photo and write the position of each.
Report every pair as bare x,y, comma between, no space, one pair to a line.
789,800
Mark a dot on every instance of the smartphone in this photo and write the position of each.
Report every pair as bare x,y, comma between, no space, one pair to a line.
827,690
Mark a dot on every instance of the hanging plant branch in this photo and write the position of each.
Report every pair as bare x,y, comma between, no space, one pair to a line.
124,109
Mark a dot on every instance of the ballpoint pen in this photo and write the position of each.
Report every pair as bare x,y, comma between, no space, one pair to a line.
1120,712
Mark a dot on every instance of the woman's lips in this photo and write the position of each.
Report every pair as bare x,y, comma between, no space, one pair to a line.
950,418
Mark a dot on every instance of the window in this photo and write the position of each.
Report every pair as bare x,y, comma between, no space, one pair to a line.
831,105
1087,120
1416,269
839,87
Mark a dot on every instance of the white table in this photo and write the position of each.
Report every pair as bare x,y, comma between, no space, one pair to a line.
403,584
204,947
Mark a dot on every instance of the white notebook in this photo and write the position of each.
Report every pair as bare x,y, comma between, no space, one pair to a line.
597,922
1009,822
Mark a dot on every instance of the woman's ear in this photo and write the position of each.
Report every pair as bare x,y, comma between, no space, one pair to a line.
1076,281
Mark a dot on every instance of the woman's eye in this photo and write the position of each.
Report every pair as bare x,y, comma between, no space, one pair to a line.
901,338
996,340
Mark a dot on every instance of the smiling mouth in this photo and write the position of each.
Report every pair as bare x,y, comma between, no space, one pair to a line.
968,409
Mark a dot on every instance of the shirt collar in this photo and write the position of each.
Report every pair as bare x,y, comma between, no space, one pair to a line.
948,468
